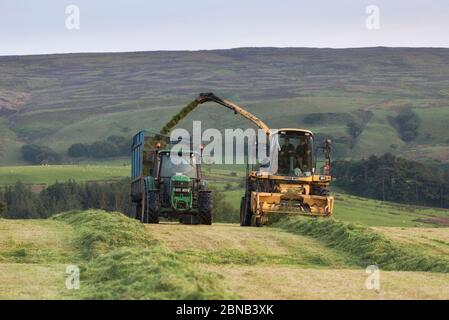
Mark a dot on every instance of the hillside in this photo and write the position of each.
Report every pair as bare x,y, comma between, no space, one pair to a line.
58,100
120,258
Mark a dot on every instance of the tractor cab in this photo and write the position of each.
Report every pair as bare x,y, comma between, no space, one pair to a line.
167,184
177,180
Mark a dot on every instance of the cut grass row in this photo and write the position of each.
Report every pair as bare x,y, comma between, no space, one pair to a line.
121,261
230,244
366,246
120,258
33,257
272,263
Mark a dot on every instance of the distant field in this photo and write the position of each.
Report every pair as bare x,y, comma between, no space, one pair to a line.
378,213
52,173
372,212
434,241
218,176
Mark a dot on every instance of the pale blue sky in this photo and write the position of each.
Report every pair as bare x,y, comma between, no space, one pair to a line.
38,26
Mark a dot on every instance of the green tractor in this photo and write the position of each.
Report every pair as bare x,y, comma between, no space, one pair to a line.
162,188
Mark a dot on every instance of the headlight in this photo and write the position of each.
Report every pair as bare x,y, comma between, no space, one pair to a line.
186,190
177,189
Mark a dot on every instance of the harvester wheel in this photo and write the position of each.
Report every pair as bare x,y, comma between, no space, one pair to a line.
245,213
205,207
152,207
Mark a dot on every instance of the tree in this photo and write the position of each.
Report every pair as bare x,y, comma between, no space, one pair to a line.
21,202
123,144
78,150
60,197
37,154
222,209
2,209
354,129
407,122
102,149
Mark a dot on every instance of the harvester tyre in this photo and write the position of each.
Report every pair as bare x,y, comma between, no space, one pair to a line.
205,207
245,213
152,207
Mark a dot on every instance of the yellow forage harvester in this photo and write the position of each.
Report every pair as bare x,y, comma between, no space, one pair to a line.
288,183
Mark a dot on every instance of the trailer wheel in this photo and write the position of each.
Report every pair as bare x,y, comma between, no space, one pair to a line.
137,210
205,207
152,207
245,213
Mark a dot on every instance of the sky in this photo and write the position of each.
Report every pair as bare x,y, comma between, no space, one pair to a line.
44,26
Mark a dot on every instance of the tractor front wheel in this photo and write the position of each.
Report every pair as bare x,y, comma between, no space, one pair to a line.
205,207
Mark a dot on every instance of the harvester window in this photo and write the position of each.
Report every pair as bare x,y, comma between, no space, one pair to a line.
286,155
295,154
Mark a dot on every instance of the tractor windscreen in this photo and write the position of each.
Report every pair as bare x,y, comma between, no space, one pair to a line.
186,167
295,156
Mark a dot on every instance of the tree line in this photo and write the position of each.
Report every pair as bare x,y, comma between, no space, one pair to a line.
391,178
19,202
113,146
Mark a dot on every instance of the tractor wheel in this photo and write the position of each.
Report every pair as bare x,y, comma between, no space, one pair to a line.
245,215
152,207
137,211
205,207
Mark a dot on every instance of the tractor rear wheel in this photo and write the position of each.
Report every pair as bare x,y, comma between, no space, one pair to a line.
152,207
205,207
245,213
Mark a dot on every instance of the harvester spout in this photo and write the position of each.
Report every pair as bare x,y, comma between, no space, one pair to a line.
206,97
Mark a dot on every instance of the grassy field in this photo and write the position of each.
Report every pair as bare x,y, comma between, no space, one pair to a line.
378,213
33,259
298,258
217,175
52,173
57,100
